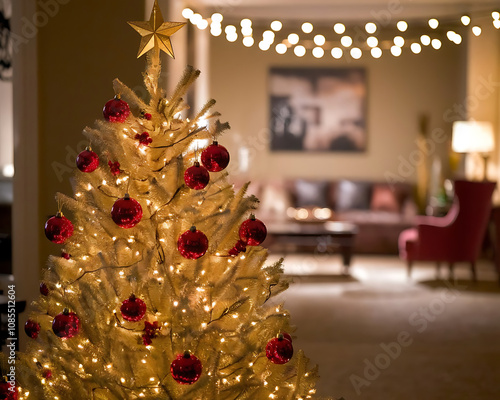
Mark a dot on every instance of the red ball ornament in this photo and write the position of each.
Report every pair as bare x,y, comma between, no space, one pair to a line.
146,116
87,161
196,177
126,212
192,244
186,368
8,391
133,309
239,247
114,167
215,157
44,289
286,336
116,110
58,228
47,374
279,350
32,328
253,231
65,255
144,139
66,325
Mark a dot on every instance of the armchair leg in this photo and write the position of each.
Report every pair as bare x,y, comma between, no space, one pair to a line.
409,265
451,266
438,270
473,271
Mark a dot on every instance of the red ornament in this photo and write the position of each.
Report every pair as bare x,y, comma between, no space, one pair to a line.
150,332
133,309
126,212
32,328
186,368
65,255
279,350
58,228
146,115
87,161
44,289
8,391
286,336
116,110
196,177
144,139
192,244
239,247
215,157
253,231
114,167
66,325
47,374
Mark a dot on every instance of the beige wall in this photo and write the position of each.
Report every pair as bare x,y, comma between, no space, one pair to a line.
80,51
399,89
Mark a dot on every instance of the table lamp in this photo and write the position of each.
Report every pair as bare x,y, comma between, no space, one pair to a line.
474,137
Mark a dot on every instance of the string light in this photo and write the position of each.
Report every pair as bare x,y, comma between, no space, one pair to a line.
299,51
356,53
433,23
399,41
496,24
425,40
276,26
376,52
372,41
337,53
187,13
370,27
293,38
476,30
319,40
339,28
396,51
264,46
402,26
346,41
416,48
307,27
465,20
495,15
281,48
436,44
248,41
217,18
318,52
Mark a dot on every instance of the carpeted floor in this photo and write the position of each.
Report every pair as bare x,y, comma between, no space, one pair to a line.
377,335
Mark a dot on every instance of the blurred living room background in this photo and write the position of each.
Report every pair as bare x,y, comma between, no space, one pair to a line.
351,119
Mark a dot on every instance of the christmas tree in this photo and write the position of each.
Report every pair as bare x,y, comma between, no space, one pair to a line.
161,290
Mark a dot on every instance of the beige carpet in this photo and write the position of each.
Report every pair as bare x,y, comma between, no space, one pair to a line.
448,333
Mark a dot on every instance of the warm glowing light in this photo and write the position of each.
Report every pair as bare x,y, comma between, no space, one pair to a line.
216,17
245,22
264,46
337,53
372,41
476,30
396,51
248,41
268,36
370,27
416,48
399,41
203,24
339,28
232,37
402,26
230,29
187,13
433,23
356,53
299,51
293,38
195,19
281,48
436,43
376,52
318,52
425,40
346,41
307,27
276,26
495,15
246,31
319,40
176,303
465,20
496,23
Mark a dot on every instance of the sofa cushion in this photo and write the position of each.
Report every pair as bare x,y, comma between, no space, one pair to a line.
353,195
311,193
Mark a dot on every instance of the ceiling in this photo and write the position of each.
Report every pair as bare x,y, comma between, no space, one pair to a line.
343,10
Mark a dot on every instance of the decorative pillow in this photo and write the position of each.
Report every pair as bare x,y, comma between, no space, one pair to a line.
385,198
311,193
353,195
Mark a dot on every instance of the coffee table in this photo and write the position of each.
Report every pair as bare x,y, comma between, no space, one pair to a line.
322,235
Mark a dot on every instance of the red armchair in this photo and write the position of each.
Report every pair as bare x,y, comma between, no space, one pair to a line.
458,236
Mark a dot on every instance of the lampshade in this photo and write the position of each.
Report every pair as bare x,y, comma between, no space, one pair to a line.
473,137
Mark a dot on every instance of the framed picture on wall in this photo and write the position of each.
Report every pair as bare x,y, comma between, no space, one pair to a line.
318,109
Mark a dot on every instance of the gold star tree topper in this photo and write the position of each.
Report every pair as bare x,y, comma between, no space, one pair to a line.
156,33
